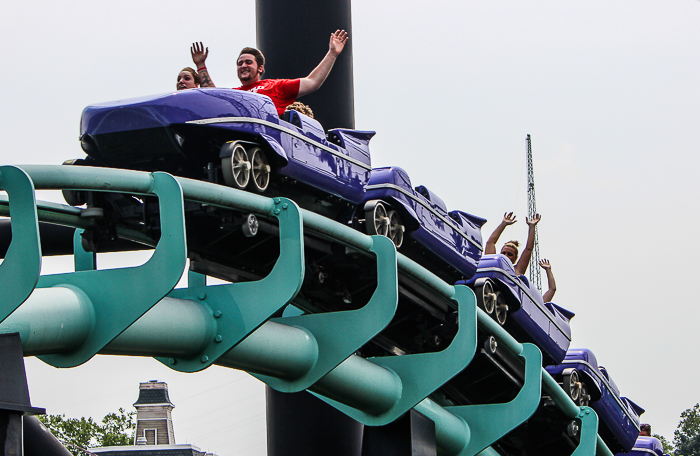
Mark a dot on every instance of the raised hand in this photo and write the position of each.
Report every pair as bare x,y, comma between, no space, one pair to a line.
338,40
199,54
544,264
534,221
509,218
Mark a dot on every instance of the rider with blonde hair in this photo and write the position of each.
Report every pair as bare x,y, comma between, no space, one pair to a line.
510,248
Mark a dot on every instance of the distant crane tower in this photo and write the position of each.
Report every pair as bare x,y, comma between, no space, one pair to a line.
535,277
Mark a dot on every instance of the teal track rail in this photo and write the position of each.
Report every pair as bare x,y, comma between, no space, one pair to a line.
65,319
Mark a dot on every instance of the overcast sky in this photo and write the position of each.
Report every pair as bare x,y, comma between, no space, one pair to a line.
608,91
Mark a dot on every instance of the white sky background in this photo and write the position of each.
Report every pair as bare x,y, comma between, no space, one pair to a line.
608,91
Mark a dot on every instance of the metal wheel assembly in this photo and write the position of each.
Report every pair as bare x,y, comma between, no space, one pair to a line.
396,229
74,197
585,398
260,169
572,384
250,226
377,220
236,168
501,308
486,297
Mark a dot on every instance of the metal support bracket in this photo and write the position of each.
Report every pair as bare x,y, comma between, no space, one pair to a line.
423,373
589,432
121,296
339,334
82,260
20,271
238,309
490,422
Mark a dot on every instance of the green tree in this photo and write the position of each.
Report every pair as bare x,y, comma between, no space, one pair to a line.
686,437
116,429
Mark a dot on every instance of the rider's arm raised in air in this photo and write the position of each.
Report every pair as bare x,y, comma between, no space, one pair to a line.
199,57
524,260
551,284
315,79
508,219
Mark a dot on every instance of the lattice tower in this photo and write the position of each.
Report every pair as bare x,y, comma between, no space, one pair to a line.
535,277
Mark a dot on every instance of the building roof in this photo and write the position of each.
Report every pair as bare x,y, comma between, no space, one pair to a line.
150,450
153,393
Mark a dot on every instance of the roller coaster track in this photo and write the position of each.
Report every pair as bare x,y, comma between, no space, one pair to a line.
66,319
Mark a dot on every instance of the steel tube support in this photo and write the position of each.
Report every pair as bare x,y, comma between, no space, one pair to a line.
288,352
452,433
52,320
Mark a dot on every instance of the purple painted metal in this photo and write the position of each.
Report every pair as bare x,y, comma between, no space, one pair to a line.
532,320
182,133
454,237
619,415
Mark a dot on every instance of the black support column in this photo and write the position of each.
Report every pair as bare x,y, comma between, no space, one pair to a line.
299,424
294,36
14,395
411,435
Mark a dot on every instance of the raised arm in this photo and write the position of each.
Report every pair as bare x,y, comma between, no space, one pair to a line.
315,79
508,219
547,297
524,260
199,57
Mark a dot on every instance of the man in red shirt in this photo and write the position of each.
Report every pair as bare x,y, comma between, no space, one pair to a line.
283,92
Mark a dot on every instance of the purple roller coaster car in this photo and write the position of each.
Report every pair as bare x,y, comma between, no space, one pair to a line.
500,293
587,383
237,136
433,235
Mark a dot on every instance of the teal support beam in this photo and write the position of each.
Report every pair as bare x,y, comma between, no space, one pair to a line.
355,382
147,284
339,334
452,433
423,373
490,422
82,260
589,433
241,308
52,320
19,272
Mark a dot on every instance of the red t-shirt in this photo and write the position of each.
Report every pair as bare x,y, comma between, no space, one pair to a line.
283,92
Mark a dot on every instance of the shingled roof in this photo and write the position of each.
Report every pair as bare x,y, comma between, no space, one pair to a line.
153,395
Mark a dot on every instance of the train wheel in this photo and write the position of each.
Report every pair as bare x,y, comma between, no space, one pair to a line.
74,197
260,169
486,297
501,309
572,384
377,220
236,168
396,229
585,397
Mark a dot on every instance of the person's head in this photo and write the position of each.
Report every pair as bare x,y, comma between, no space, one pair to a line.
645,429
298,106
251,65
510,249
187,79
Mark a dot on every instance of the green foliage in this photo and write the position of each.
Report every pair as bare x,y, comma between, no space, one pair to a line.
116,429
686,437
